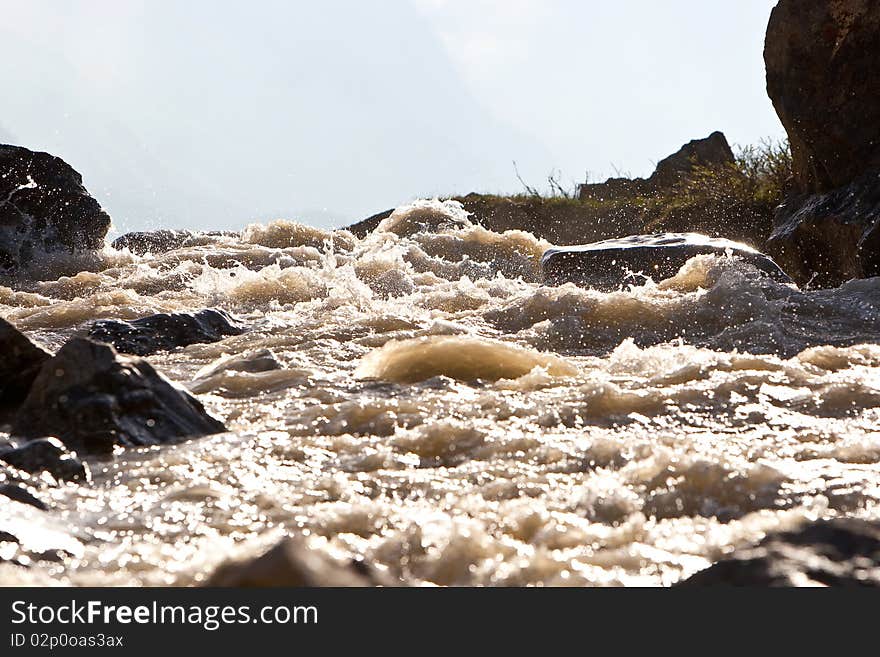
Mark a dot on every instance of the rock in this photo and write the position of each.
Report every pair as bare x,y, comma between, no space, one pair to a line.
154,241
46,455
241,374
35,534
827,239
161,241
93,400
165,331
292,563
615,188
610,264
366,226
44,208
21,361
844,552
21,494
821,61
711,151
821,76
259,360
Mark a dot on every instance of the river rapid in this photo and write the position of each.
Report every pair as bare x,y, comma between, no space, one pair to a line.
441,414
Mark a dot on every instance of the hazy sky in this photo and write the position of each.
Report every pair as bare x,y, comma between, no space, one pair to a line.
212,113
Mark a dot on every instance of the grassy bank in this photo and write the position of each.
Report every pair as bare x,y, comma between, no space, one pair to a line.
736,201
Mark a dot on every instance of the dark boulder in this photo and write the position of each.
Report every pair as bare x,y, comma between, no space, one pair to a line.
44,208
46,455
21,494
30,531
826,239
366,226
165,331
161,241
154,241
821,60
843,552
711,151
20,361
293,563
610,264
94,400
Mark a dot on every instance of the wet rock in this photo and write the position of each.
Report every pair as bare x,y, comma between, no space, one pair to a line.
821,61
843,552
161,241
366,226
44,208
46,455
260,360
165,331
21,360
34,535
827,239
21,494
293,563
94,399
153,241
243,374
611,264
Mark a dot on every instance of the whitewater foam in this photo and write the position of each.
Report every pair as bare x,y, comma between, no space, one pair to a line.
440,412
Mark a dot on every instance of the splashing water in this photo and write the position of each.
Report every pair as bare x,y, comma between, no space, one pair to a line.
440,413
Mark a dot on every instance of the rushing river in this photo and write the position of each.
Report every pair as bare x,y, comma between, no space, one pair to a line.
443,415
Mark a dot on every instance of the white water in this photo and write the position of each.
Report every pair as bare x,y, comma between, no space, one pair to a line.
443,415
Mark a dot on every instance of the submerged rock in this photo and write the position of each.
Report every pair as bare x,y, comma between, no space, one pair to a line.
93,400
843,552
293,563
161,241
165,331
461,357
44,208
20,361
46,455
259,360
611,264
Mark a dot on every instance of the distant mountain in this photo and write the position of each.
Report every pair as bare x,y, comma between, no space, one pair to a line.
209,114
